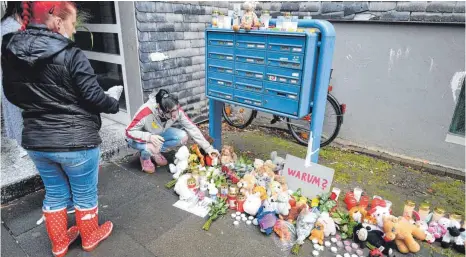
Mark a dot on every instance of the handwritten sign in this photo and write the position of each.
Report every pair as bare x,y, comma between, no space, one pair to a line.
313,180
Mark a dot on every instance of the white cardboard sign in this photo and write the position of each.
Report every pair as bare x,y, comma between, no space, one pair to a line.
312,180
200,208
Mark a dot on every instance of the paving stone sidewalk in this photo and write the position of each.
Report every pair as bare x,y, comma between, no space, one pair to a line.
146,223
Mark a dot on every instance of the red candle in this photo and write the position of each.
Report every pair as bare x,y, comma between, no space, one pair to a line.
349,195
232,202
240,204
350,203
364,201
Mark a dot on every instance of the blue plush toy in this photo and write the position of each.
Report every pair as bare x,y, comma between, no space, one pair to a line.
267,217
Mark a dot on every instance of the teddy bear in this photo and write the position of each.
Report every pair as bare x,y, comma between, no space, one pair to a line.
274,189
363,235
182,189
247,183
228,155
283,203
282,181
378,213
330,228
252,203
180,163
403,232
318,233
249,19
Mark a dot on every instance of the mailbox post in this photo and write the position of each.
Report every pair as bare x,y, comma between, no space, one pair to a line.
283,73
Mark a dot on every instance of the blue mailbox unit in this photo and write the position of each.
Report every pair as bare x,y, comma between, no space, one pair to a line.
283,73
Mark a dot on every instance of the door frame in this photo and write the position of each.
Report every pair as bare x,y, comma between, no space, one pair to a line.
128,58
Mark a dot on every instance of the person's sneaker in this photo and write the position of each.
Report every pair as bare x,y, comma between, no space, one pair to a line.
147,166
159,159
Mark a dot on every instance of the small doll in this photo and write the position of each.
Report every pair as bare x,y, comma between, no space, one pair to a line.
249,19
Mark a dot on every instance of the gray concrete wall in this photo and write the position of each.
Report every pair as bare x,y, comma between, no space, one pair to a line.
395,80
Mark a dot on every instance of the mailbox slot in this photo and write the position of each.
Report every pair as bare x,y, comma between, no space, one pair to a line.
220,91
221,39
248,98
249,70
286,44
248,85
221,53
279,90
220,66
249,41
283,75
248,56
220,79
293,61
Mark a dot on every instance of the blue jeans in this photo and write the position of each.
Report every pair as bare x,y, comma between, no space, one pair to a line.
173,138
68,175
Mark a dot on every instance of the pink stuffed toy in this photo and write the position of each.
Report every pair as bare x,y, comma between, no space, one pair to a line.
439,229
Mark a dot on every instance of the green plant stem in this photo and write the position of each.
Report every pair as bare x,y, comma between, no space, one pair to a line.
207,224
171,184
295,249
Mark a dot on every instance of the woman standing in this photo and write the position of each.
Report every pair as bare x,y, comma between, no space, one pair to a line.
13,122
55,85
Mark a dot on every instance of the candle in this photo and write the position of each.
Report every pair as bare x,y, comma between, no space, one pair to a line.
337,192
357,193
456,216
438,214
409,208
424,210
232,202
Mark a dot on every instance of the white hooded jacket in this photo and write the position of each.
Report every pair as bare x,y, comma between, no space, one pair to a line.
147,122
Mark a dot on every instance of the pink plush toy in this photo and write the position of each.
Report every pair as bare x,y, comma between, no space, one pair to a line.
439,229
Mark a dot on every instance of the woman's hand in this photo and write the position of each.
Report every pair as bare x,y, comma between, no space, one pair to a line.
156,140
115,92
213,153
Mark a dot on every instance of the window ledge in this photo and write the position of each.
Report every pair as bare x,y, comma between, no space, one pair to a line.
455,139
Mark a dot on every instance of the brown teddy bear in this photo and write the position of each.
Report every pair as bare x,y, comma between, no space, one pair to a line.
318,233
403,232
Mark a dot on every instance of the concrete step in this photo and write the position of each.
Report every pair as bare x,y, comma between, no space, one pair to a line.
20,176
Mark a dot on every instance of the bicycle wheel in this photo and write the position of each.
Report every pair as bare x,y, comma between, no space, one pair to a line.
238,116
333,119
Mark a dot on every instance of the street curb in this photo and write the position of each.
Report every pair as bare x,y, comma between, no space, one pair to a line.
421,166
34,183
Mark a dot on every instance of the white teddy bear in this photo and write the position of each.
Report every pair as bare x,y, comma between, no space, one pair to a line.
181,188
180,163
330,228
283,203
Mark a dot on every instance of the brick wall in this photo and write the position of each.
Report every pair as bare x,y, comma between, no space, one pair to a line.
176,29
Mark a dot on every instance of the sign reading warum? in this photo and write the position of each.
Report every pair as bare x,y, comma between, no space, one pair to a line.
312,180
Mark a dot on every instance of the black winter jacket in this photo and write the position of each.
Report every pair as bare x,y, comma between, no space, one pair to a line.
55,85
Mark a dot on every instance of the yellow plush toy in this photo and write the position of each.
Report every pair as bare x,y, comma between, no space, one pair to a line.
403,232
261,191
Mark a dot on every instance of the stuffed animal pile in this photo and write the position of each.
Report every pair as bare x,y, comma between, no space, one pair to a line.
255,189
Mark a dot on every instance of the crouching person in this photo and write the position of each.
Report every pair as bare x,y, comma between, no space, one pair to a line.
151,133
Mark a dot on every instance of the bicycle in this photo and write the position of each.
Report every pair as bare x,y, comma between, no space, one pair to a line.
298,128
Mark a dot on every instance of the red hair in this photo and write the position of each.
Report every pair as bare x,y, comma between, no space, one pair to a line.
39,12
